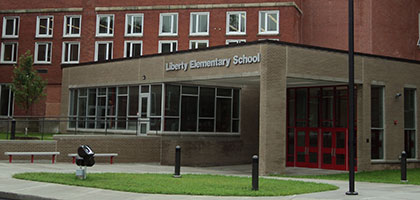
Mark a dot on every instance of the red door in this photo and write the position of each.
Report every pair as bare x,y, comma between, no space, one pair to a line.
306,153
334,151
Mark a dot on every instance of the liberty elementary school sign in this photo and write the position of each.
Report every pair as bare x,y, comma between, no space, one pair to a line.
217,62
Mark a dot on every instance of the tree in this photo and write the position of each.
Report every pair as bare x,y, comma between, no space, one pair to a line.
27,86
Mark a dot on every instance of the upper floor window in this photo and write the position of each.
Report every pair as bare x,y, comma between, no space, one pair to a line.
71,52
6,101
167,46
228,42
103,51
10,27
44,26
168,24
9,52
236,23
72,26
134,25
104,25
269,22
198,44
133,48
43,52
199,23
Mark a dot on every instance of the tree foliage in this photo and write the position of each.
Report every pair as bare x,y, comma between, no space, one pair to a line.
27,86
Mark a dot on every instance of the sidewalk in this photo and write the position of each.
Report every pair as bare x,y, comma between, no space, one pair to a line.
20,189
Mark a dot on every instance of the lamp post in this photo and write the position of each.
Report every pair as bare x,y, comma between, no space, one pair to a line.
351,100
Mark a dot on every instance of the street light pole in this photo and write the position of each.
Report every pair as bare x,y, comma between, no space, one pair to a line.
351,100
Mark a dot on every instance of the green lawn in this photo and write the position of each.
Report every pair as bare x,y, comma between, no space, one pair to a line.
189,184
47,136
383,176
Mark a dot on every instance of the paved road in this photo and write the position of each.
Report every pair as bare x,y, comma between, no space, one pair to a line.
36,190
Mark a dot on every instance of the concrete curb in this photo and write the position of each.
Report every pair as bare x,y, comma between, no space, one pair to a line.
15,196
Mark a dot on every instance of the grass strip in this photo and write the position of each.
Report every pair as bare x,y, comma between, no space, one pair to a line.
47,136
189,184
381,176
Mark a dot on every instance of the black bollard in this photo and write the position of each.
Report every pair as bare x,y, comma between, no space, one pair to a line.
13,132
177,162
403,167
255,172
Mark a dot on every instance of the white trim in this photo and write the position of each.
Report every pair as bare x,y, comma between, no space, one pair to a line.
168,42
15,32
97,43
197,15
65,27
48,47
237,41
266,12
14,49
50,21
131,15
172,32
240,25
131,42
110,28
68,53
198,41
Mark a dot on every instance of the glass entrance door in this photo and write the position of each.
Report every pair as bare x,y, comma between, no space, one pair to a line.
333,151
144,111
307,147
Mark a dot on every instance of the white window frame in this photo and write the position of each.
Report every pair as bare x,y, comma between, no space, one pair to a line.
132,15
49,19
109,16
129,44
15,29
65,25
167,42
240,13
97,43
14,58
173,32
196,43
266,12
197,16
237,41
68,52
49,46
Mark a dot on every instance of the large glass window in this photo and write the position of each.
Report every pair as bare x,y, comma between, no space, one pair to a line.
377,122
9,51
236,23
104,25
6,101
199,23
185,108
269,22
72,26
133,24
44,26
103,51
10,27
71,52
43,52
410,122
133,48
168,24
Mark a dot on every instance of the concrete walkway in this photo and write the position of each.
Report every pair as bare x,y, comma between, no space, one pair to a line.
19,189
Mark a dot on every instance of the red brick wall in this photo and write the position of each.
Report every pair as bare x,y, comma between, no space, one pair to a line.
289,31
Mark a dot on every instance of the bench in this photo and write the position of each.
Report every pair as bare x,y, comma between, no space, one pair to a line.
111,155
32,154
